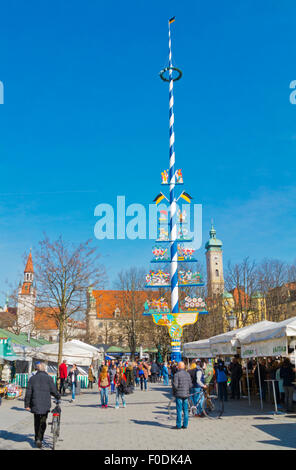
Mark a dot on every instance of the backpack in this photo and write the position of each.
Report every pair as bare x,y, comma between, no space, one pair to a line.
221,376
104,382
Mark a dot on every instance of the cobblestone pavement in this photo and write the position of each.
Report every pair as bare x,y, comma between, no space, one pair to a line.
144,425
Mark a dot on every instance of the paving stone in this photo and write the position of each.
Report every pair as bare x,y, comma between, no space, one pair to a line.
145,424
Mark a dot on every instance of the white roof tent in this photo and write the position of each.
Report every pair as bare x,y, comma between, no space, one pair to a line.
226,344
197,349
272,340
74,352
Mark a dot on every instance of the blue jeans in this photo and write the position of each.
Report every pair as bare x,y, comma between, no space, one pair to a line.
197,391
142,379
73,390
182,406
104,396
119,394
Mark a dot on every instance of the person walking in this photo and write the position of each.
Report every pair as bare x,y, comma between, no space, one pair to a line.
73,380
221,379
236,373
120,387
91,376
288,375
63,373
181,390
147,374
130,382
112,373
154,372
165,374
38,400
141,375
104,384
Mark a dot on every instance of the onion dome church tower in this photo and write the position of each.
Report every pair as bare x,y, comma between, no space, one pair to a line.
214,257
27,298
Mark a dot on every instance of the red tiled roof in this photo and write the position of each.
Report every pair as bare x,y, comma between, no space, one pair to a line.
108,300
45,318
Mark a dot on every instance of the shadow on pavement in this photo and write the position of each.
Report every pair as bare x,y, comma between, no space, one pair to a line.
12,436
283,433
150,423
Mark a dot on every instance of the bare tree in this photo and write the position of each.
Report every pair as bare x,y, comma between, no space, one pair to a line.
272,275
63,273
131,298
241,281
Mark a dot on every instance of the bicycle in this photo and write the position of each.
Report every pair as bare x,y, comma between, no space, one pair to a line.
56,423
205,403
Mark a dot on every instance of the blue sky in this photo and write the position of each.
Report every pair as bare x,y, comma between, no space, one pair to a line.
85,119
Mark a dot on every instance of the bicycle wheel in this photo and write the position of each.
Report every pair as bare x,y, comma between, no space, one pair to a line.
214,408
55,433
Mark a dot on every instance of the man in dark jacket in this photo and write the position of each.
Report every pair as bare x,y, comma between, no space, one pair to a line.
181,389
288,375
38,400
236,373
154,372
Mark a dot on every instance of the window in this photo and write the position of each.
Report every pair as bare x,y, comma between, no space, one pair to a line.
217,273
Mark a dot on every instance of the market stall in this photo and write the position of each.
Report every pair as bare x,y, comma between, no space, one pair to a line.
270,341
197,349
8,389
74,352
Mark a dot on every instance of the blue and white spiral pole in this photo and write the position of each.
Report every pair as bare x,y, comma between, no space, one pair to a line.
173,226
176,343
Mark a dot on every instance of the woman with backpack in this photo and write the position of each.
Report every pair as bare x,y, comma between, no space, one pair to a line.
120,387
104,384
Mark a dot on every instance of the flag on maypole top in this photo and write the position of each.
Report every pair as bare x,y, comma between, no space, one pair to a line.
186,196
158,198
172,20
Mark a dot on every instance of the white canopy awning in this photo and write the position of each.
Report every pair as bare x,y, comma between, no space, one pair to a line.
227,343
72,353
271,340
197,349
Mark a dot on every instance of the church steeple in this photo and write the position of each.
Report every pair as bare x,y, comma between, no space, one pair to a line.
214,259
27,298
29,271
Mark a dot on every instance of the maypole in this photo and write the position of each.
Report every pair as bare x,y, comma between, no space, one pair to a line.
172,210
174,318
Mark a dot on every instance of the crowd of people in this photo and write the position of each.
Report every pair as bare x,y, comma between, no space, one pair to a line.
186,380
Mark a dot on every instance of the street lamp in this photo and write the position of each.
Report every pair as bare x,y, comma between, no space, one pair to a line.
231,320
